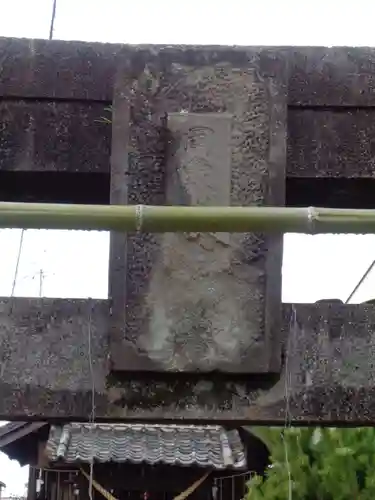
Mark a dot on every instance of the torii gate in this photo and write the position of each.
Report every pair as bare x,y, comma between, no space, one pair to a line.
194,327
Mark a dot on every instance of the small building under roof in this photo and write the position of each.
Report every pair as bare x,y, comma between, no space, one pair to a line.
134,461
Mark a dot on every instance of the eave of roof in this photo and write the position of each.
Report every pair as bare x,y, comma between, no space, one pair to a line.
14,431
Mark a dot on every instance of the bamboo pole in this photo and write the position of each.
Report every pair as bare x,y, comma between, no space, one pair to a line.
160,219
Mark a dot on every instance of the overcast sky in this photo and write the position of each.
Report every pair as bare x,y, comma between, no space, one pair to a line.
57,263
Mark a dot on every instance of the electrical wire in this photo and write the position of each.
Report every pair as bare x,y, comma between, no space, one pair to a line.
359,283
92,415
20,246
287,384
3,362
53,17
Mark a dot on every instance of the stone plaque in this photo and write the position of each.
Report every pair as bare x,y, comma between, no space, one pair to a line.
202,302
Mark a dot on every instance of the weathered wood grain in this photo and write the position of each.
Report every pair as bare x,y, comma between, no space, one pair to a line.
331,76
318,76
48,136
328,143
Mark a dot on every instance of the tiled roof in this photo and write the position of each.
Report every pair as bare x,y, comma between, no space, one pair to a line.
205,446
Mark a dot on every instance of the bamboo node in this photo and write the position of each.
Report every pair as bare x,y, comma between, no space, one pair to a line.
139,217
312,217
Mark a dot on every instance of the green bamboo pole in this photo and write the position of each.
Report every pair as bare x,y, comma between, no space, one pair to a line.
186,219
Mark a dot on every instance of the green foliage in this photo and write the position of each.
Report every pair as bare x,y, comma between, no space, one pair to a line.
324,464
106,119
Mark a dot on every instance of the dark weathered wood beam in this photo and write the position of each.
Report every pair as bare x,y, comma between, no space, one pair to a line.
52,136
318,76
331,76
59,89
46,371
331,143
43,69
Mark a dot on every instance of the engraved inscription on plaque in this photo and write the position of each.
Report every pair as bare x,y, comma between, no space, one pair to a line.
200,168
196,298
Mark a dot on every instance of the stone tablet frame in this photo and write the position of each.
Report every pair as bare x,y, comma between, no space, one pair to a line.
154,96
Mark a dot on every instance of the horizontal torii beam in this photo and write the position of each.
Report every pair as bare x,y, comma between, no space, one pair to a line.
161,219
49,371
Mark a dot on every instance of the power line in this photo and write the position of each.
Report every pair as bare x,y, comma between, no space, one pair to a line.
19,253
41,278
359,283
53,17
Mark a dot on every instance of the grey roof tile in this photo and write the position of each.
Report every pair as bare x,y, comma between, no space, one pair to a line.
205,446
